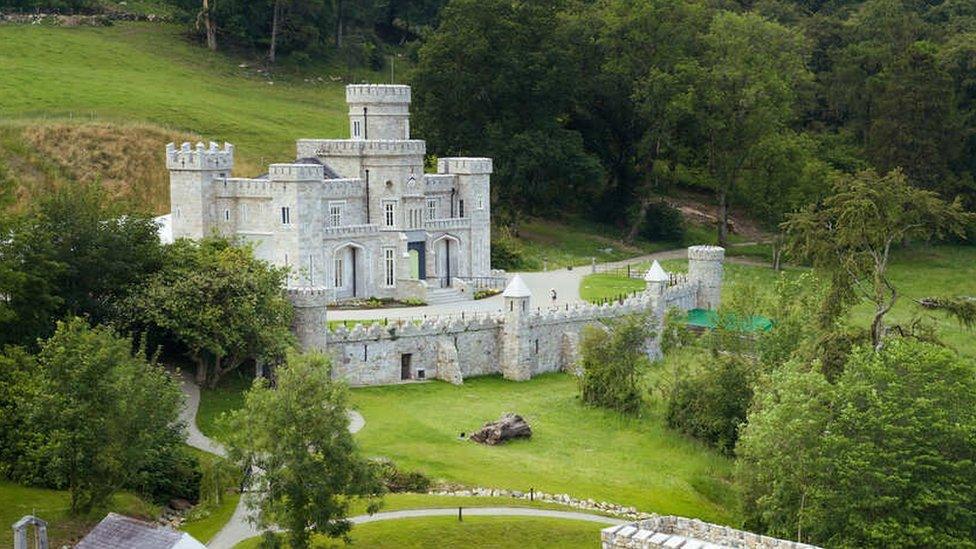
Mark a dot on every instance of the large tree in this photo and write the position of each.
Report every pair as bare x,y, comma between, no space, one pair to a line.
219,302
95,417
744,93
74,252
307,466
497,79
885,457
850,235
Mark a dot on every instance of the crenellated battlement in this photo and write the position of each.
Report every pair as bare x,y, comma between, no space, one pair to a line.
464,165
296,172
377,93
200,157
706,253
358,147
311,296
428,327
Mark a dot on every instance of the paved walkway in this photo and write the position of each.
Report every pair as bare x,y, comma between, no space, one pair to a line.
487,512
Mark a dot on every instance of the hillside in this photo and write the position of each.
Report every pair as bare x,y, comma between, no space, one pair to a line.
87,103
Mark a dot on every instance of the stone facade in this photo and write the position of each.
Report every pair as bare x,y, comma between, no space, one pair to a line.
518,342
684,533
357,217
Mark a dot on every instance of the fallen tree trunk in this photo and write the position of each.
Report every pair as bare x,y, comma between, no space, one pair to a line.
509,427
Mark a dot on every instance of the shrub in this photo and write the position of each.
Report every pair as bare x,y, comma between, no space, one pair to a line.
712,403
613,360
663,222
169,473
397,480
482,294
507,252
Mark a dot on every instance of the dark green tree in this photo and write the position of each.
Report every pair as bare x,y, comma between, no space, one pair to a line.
612,361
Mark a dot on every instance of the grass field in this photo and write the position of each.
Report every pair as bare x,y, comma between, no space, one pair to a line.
53,506
473,532
101,102
585,452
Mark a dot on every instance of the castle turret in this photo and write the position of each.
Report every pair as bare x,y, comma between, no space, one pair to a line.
473,201
656,279
705,269
378,111
310,321
516,361
191,189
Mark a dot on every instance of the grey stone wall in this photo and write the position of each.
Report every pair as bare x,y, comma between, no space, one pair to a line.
684,533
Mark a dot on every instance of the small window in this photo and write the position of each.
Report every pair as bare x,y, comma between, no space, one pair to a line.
389,211
390,265
481,201
337,272
460,208
285,215
355,128
226,215
335,213
431,208
243,213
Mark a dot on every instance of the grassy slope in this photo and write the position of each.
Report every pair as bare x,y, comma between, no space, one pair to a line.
140,73
473,532
53,505
581,451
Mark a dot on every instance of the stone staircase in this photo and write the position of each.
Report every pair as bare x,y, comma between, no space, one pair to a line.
440,296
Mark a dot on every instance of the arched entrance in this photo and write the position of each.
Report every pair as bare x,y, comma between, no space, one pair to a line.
348,270
447,254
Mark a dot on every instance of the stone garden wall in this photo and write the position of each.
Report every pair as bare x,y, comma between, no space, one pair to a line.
680,532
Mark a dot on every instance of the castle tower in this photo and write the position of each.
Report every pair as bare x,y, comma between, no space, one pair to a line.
378,111
705,269
297,208
310,322
656,279
516,365
474,202
191,189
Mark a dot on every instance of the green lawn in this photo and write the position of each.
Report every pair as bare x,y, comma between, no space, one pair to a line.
585,452
206,527
53,506
397,502
472,532
229,395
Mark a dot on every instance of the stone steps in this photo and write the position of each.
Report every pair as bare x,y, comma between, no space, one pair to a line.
440,296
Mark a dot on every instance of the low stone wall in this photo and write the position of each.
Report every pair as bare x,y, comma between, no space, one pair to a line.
684,533
621,511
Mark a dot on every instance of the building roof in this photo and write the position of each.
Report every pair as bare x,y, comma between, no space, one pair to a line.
656,273
329,172
116,531
517,288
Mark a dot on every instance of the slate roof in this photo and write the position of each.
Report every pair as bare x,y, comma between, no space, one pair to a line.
656,273
117,531
517,288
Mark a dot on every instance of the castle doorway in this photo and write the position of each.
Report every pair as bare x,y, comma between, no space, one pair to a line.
418,259
348,263
447,253
405,360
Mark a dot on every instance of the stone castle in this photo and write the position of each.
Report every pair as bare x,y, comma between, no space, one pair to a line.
356,216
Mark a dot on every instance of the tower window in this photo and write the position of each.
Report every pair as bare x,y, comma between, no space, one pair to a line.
431,208
335,213
389,213
337,272
460,208
355,128
285,215
226,215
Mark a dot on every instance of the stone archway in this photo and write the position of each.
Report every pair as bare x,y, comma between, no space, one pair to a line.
348,271
447,255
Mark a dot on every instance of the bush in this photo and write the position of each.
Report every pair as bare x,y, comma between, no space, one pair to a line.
663,222
169,473
396,480
482,294
507,252
613,361
712,403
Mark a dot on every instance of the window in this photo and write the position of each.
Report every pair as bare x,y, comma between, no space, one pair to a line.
243,213
416,218
431,208
389,213
226,215
335,213
337,272
285,215
355,128
460,208
390,265
481,201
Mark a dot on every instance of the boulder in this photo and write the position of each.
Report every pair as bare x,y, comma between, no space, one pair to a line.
509,427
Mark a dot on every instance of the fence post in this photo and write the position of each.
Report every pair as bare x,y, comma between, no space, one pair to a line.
459,515
593,264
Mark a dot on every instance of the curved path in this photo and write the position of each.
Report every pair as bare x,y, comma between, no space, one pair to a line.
239,528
